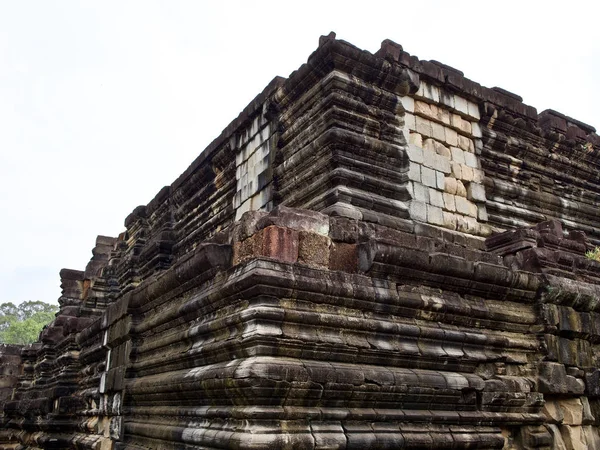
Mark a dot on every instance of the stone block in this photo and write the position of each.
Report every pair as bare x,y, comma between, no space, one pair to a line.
465,143
451,137
434,215
431,92
552,378
461,105
476,192
458,155
414,172
471,160
313,249
573,437
442,164
408,103
476,130
588,418
449,220
418,211
440,180
409,121
460,189
436,198
438,131
420,192
477,176
449,203
450,185
415,154
461,124
443,115
553,411
415,139
423,126
463,206
455,170
467,173
343,256
423,109
446,98
473,110
442,150
428,177
280,243
482,214
429,154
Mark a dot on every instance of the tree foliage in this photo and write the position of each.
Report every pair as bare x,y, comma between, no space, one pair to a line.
22,324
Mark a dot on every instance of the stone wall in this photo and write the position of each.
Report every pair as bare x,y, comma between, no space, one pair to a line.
377,253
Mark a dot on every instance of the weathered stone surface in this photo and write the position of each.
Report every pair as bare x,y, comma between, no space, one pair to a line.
318,278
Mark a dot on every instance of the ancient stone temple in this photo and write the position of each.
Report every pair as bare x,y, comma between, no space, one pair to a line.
378,253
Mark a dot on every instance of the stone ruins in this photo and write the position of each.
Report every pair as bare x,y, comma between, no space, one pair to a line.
378,253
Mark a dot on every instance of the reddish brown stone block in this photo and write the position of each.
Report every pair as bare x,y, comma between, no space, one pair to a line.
343,257
313,249
279,243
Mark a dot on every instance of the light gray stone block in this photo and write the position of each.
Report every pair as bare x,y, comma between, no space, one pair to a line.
428,177
418,211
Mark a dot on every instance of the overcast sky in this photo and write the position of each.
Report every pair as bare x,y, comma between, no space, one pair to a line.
103,103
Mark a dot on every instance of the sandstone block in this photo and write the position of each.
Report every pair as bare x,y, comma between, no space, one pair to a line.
420,192
408,103
464,206
482,214
449,220
450,185
471,160
434,215
442,164
442,150
415,153
573,437
458,155
464,143
436,198
443,115
415,139
418,211
428,177
476,192
438,131
429,154
476,130
460,189
461,124
477,176
423,126
451,137
414,172
461,105
431,92
449,203
446,98
423,109
440,180
455,169
473,110
409,121
553,411
467,173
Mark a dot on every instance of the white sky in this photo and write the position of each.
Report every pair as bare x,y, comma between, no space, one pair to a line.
103,103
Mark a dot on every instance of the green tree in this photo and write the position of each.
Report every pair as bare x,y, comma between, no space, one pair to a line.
22,324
